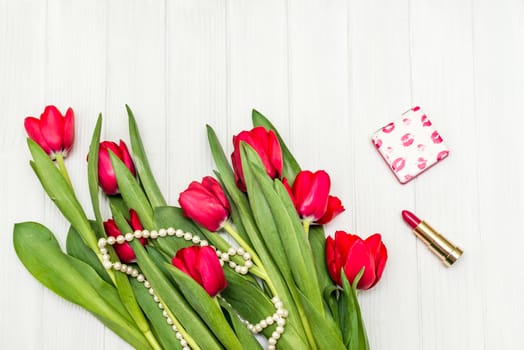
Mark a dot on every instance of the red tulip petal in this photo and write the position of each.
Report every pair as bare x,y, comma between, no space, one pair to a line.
331,261
311,193
69,129
180,264
111,228
126,157
52,128
213,186
334,207
211,272
189,256
32,126
198,205
106,175
358,257
134,220
275,153
124,251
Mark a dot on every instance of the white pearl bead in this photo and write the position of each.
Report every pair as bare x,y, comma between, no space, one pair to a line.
281,322
219,253
134,273
140,278
183,342
164,313
147,284
232,264
248,264
107,265
279,305
269,320
153,234
106,257
196,239
155,298
243,270
272,341
263,324
161,306
151,291
162,232
178,335
117,266
137,234
129,237
102,243
188,236
111,240
258,329
275,299
120,239
204,243
103,251
240,251
169,321
170,231
123,268
271,347
179,233
246,256
279,330
129,270
224,257
186,348
231,251
145,233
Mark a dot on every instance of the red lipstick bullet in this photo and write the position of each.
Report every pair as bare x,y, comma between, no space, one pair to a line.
444,249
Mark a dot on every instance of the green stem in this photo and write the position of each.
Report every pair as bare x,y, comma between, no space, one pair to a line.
260,271
152,340
306,223
62,167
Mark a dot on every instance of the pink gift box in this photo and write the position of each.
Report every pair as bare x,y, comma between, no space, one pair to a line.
410,145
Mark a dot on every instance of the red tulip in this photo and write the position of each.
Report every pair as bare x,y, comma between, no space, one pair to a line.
310,194
53,132
202,264
266,144
106,175
124,250
349,253
205,203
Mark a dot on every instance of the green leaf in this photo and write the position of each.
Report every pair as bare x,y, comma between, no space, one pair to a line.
247,339
73,280
76,247
290,165
206,306
286,221
132,192
164,332
350,318
327,335
142,164
317,242
92,175
191,326
61,193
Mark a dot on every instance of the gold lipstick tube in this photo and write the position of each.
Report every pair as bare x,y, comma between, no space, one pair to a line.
444,249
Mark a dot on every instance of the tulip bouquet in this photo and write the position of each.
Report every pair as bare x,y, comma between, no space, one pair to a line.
243,263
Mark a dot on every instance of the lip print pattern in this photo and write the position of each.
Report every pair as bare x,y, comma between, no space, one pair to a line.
442,155
389,128
407,139
436,137
425,121
421,163
398,164
410,145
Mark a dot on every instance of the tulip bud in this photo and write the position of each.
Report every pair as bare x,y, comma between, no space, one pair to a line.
202,264
53,132
205,203
124,250
266,144
349,253
310,194
106,174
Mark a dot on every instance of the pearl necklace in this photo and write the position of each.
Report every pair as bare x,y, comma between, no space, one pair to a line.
279,317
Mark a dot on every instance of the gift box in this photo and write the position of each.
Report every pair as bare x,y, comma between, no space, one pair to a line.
410,145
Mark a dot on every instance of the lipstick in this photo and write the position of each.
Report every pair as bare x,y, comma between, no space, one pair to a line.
440,246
